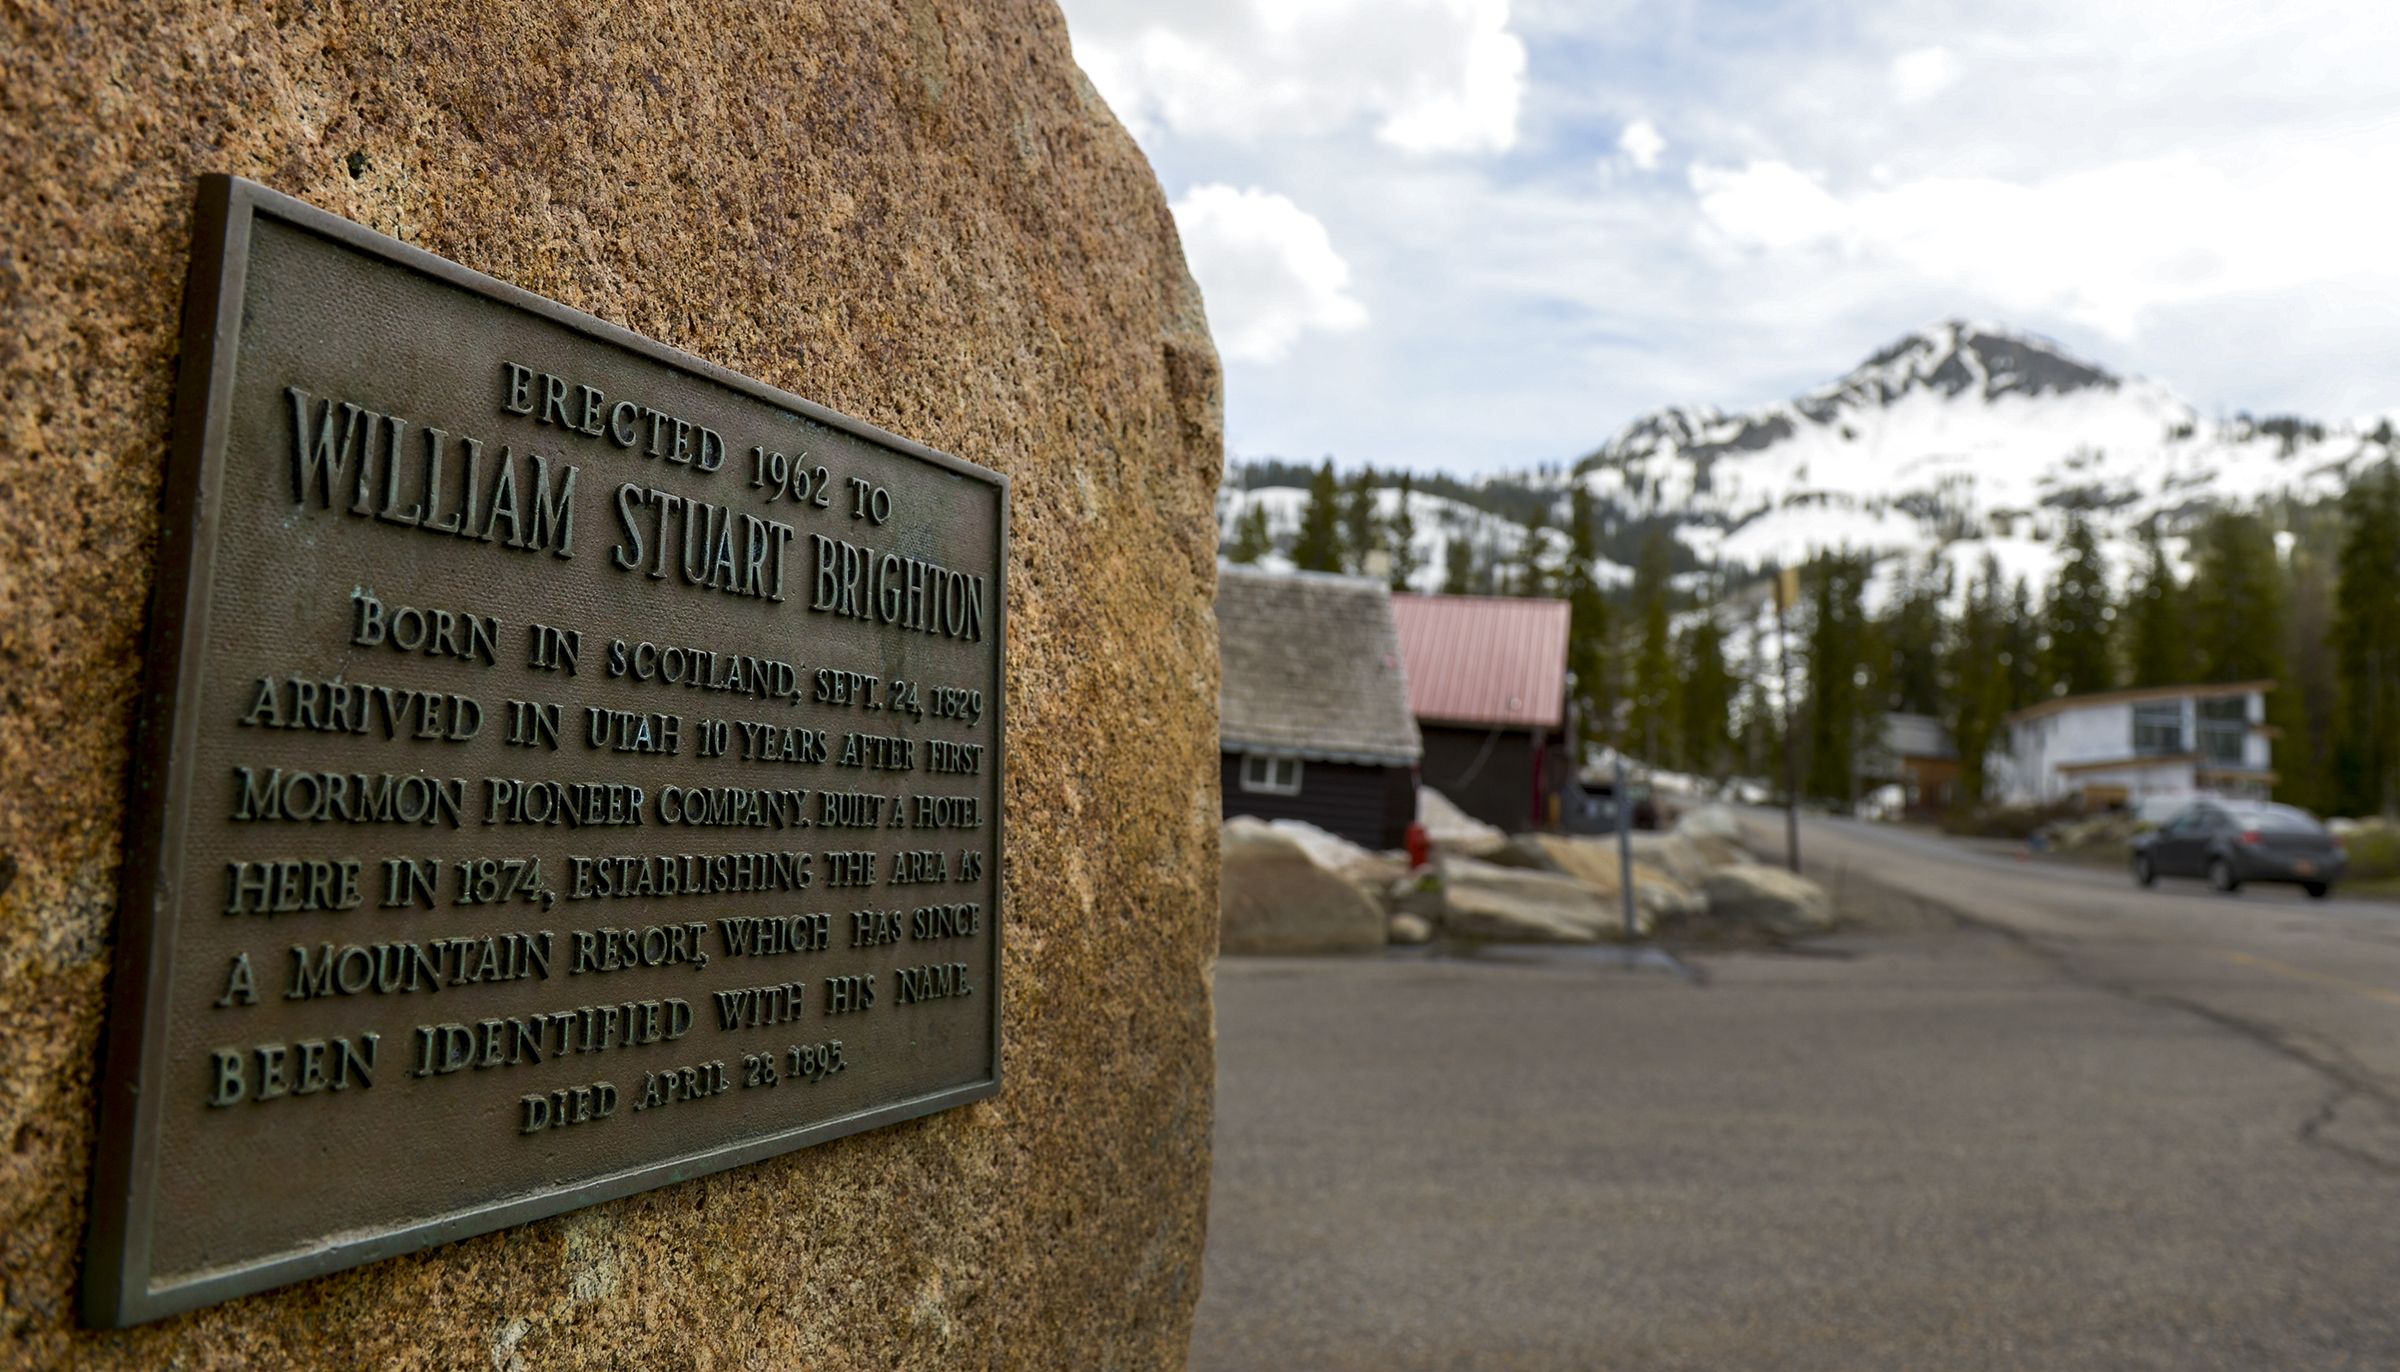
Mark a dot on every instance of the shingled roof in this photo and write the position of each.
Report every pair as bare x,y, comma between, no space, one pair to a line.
1312,669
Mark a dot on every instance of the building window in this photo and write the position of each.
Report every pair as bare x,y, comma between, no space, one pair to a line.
2158,727
2224,726
1276,776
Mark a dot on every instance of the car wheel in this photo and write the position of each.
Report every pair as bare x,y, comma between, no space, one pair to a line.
2143,873
2317,890
2220,876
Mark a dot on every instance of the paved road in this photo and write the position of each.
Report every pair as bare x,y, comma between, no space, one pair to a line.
2093,1127
2317,979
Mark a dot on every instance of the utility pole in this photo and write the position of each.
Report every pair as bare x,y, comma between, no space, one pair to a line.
1787,595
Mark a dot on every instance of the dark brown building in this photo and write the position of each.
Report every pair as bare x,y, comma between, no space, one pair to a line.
1313,718
1487,681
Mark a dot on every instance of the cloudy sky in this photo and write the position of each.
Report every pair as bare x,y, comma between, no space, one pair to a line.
1478,235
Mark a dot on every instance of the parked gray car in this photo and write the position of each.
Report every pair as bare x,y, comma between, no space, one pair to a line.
2228,842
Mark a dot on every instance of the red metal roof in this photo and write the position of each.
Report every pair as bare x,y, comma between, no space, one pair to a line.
1476,659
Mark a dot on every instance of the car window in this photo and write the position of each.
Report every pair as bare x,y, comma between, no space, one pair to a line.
2278,819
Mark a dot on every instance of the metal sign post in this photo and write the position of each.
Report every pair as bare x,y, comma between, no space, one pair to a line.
1625,847
1787,594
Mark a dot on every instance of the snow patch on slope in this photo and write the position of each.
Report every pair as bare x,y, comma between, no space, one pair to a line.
1965,438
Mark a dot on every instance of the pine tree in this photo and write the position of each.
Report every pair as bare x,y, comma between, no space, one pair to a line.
1707,691
1977,680
1758,723
1912,632
2366,629
1529,579
1319,546
1251,541
2309,703
1837,667
2159,648
2019,658
1402,533
1362,525
1587,622
1652,716
2236,616
2076,616
1458,565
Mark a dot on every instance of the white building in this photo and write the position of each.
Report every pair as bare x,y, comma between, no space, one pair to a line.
2147,748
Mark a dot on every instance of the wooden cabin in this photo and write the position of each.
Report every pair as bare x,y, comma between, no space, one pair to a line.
1313,718
1487,682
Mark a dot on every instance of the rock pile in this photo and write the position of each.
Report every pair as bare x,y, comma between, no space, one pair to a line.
1290,887
1453,830
1485,900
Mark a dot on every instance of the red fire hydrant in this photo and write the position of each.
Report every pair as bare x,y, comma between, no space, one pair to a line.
1420,848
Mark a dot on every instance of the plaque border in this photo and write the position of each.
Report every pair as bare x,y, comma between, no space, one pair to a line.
118,1286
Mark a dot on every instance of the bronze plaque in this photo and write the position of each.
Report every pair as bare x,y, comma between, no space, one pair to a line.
567,767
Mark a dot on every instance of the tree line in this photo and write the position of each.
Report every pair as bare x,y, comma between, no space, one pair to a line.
1681,672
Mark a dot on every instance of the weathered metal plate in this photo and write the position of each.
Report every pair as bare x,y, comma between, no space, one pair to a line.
567,768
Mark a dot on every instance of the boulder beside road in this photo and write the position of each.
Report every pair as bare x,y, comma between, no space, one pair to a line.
1768,899
1363,868
1274,898
1482,900
1689,857
1453,830
1289,887
1697,878
1659,897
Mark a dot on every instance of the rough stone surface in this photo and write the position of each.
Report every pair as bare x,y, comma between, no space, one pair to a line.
1454,830
1524,851
1483,900
1768,898
1277,899
1687,858
1363,868
1418,894
915,211
1597,864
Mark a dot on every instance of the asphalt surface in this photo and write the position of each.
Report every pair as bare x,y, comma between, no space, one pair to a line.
2087,1126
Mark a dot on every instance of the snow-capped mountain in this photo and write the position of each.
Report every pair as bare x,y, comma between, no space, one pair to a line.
1965,437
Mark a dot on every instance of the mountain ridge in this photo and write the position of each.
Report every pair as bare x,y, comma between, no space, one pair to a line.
1966,438
1960,432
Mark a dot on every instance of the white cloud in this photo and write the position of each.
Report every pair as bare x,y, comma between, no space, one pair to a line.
1267,270
2103,247
1768,205
1435,76
2186,191
1642,142
1923,74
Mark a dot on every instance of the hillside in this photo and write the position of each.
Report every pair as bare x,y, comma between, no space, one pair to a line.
1963,437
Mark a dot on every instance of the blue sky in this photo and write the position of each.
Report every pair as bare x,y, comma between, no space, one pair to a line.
1477,235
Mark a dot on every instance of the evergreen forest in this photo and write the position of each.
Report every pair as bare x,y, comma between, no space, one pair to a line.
1682,665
